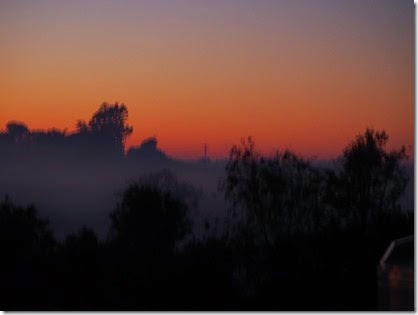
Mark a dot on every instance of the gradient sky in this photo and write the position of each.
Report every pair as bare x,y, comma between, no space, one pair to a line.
305,75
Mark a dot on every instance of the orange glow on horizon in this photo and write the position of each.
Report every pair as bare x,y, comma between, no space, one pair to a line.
190,78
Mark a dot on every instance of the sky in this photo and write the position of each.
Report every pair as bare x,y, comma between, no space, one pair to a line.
299,74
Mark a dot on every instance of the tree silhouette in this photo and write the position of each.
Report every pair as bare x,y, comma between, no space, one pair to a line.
302,237
22,231
17,131
110,123
148,151
82,127
101,139
82,270
153,213
28,249
146,225
372,179
279,194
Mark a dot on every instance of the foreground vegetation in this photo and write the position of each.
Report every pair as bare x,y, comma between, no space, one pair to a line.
298,237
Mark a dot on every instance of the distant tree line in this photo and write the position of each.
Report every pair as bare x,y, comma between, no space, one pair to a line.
299,237
101,139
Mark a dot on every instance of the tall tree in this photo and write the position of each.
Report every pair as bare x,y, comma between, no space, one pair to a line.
372,179
109,124
278,194
17,131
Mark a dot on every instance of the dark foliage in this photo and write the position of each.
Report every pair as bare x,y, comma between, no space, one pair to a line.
147,152
82,271
325,231
107,128
28,249
152,215
147,225
298,237
371,182
102,138
279,195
